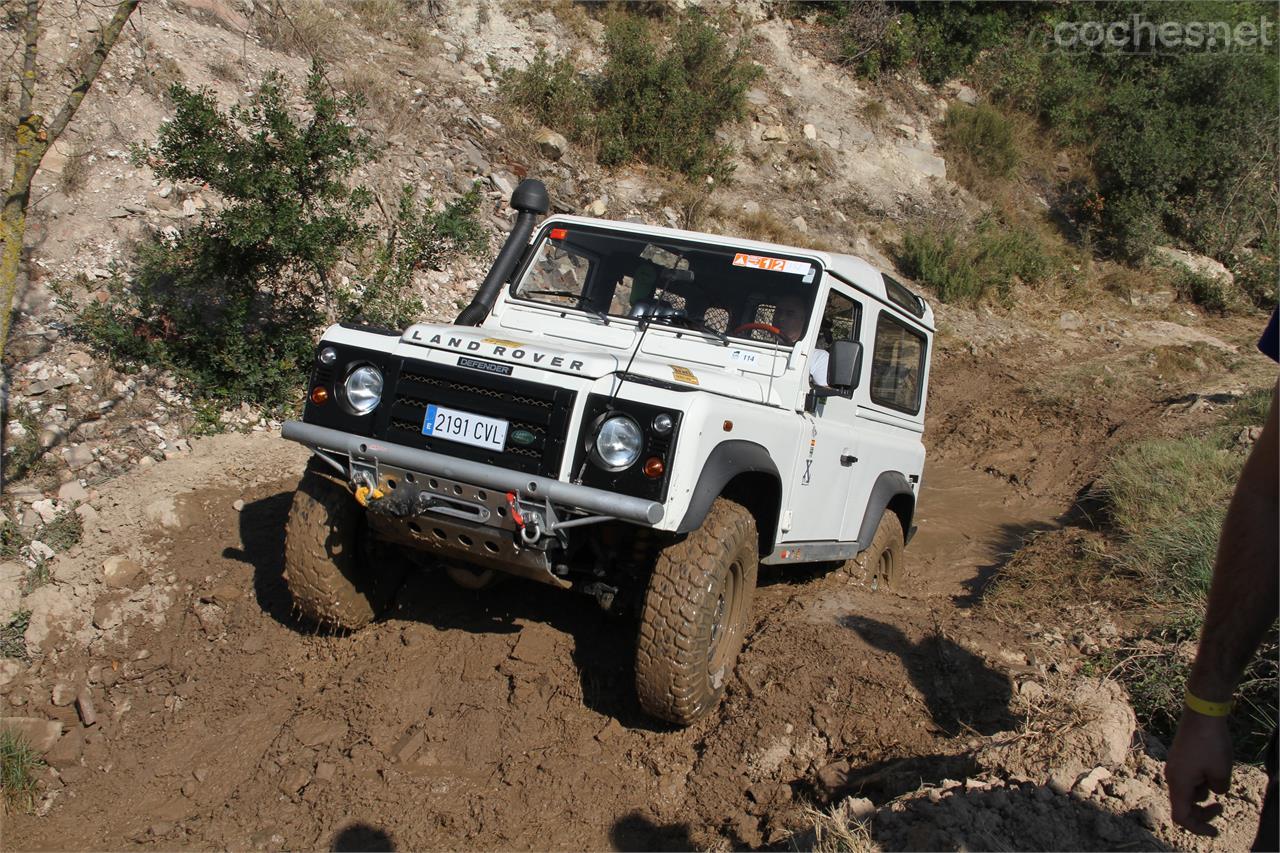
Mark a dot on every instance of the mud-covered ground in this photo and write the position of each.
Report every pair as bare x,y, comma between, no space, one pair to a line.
506,718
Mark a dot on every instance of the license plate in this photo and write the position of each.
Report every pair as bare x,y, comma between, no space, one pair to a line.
464,427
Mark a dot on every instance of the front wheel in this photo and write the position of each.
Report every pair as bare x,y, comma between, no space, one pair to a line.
335,575
696,614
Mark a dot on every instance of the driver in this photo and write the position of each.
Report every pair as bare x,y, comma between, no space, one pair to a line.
789,317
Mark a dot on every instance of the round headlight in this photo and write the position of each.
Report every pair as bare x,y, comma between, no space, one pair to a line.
328,355
618,442
662,424
364,389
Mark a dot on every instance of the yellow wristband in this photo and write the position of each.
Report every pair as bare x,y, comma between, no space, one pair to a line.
1206,708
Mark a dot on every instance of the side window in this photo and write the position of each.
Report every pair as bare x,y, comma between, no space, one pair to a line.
839,320
897,365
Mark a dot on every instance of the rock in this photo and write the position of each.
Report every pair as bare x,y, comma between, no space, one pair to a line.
40,734
597,208
810,132
46,509
502,182
799,223
77,456
1032,691
67,751
1089,782
108,615
966,95
52,608
120,572
40,551
1070,321
834,776
88,515
1198,264
325,771
775,133
74,492
1060,781
551,144
237,505
162,512
10,669
295,779
189,788
84,707
408,744
63,694
11,581
859,808
1111,722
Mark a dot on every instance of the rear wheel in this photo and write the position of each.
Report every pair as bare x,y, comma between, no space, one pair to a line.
696,613
883,561
338,576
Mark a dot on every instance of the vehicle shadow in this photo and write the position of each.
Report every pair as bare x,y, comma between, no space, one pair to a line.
637,832
961,693
603,643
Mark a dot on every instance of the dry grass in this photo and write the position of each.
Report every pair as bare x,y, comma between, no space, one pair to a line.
227,70
764,225
1061,565
385,104
835,832
75,171
300,27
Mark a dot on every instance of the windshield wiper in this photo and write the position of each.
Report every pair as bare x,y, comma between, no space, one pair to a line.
594,312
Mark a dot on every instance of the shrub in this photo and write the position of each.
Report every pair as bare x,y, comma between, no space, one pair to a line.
418,238
22,456
979,142
1210,293
232,304
964,268
658,101
12,644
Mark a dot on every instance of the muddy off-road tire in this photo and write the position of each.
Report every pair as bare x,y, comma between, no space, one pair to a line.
883,562
338,577
696,612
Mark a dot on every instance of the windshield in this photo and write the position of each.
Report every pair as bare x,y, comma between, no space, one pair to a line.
766,298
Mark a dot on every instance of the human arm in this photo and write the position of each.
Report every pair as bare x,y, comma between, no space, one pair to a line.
1242,605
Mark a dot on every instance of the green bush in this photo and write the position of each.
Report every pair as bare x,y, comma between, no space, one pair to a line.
419,237
1210,293
232,305
965,268
979,141
661,96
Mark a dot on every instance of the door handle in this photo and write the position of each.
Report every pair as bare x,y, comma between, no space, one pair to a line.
847,459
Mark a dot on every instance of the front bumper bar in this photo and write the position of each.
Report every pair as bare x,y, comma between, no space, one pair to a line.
585,498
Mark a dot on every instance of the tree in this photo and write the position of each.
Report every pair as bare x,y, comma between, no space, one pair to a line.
33,137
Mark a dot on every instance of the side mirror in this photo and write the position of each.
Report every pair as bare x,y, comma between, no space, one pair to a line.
844,365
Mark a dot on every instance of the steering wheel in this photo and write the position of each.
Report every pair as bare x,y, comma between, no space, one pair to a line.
757,327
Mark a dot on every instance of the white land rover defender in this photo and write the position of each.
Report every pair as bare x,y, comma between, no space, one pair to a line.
640,414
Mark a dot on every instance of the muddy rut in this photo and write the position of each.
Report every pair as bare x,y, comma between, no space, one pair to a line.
506,718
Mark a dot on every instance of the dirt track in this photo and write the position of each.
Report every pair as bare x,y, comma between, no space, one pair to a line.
506,719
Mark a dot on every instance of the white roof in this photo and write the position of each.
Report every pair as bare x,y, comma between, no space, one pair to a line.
849,267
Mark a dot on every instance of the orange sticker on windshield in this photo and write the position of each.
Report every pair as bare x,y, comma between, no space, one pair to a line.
762,262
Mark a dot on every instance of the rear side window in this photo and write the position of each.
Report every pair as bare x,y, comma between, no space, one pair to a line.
897,365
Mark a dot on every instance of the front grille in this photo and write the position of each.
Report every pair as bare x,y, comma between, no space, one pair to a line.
541,410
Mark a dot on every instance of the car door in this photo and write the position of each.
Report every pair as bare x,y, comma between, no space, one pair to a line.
828,452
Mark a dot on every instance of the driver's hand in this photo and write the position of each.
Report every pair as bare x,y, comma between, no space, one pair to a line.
1199,762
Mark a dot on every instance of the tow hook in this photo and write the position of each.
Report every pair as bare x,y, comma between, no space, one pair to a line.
365,494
